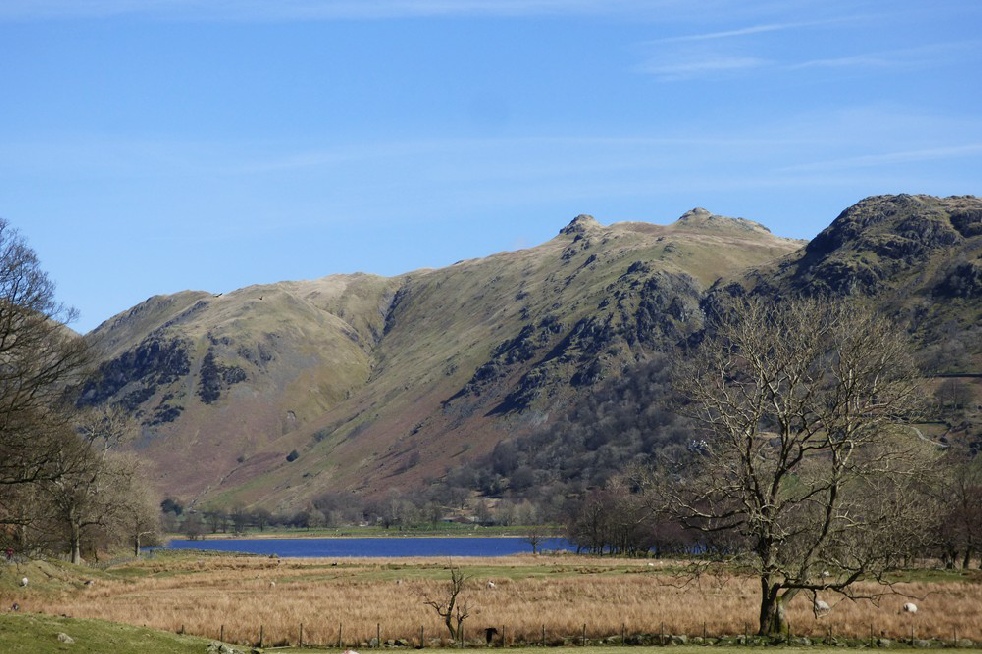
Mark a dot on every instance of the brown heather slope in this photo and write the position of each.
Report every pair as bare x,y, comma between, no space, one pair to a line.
273,394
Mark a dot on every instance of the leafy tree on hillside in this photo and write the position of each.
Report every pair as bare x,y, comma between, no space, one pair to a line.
803,457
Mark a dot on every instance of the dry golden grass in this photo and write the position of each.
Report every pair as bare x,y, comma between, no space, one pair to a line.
352,601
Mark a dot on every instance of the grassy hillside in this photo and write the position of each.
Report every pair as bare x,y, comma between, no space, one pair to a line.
273,395
367,383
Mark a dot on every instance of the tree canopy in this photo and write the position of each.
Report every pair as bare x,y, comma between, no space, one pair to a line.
806,465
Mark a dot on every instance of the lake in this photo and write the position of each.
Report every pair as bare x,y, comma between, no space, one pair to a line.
387,547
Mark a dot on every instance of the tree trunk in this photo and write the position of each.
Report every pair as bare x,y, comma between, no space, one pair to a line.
450,626
76,543
773,608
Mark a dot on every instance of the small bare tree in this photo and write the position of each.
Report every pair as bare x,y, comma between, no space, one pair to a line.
534,537
803,468
449,605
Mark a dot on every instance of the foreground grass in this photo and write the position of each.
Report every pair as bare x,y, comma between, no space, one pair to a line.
38,634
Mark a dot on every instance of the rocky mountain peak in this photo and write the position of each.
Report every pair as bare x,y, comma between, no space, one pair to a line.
896,244
581,225
696,214
699,217
884,223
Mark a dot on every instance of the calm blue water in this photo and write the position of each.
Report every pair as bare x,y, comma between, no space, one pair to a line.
395,546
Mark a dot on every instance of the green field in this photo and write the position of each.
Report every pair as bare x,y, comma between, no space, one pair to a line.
36,633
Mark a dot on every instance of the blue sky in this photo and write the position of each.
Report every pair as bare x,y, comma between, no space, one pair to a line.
153,146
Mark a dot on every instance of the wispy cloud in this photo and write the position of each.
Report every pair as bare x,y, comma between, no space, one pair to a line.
891,158
680,68
734,51
739,32
926,55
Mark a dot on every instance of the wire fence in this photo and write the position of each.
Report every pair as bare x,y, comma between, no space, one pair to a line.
307,635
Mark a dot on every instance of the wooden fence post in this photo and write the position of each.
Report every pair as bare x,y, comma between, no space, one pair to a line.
260,635
340,641
301,635
378,634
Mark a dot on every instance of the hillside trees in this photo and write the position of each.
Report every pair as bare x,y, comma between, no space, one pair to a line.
614,520
98,490
38,356
47,457
803,460
960,532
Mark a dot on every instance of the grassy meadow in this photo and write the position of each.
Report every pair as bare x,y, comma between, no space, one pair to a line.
551,599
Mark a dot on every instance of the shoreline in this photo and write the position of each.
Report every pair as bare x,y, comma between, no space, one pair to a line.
341,535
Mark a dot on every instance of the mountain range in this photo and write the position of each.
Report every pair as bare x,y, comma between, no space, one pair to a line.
273,395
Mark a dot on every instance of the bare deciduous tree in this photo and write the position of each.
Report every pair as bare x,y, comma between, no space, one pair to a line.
804,455
38,357
534,537
93,484
137,514
960,533
449,605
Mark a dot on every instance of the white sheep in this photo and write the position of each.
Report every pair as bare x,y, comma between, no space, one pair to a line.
491,585
23,582
909,607
821,607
